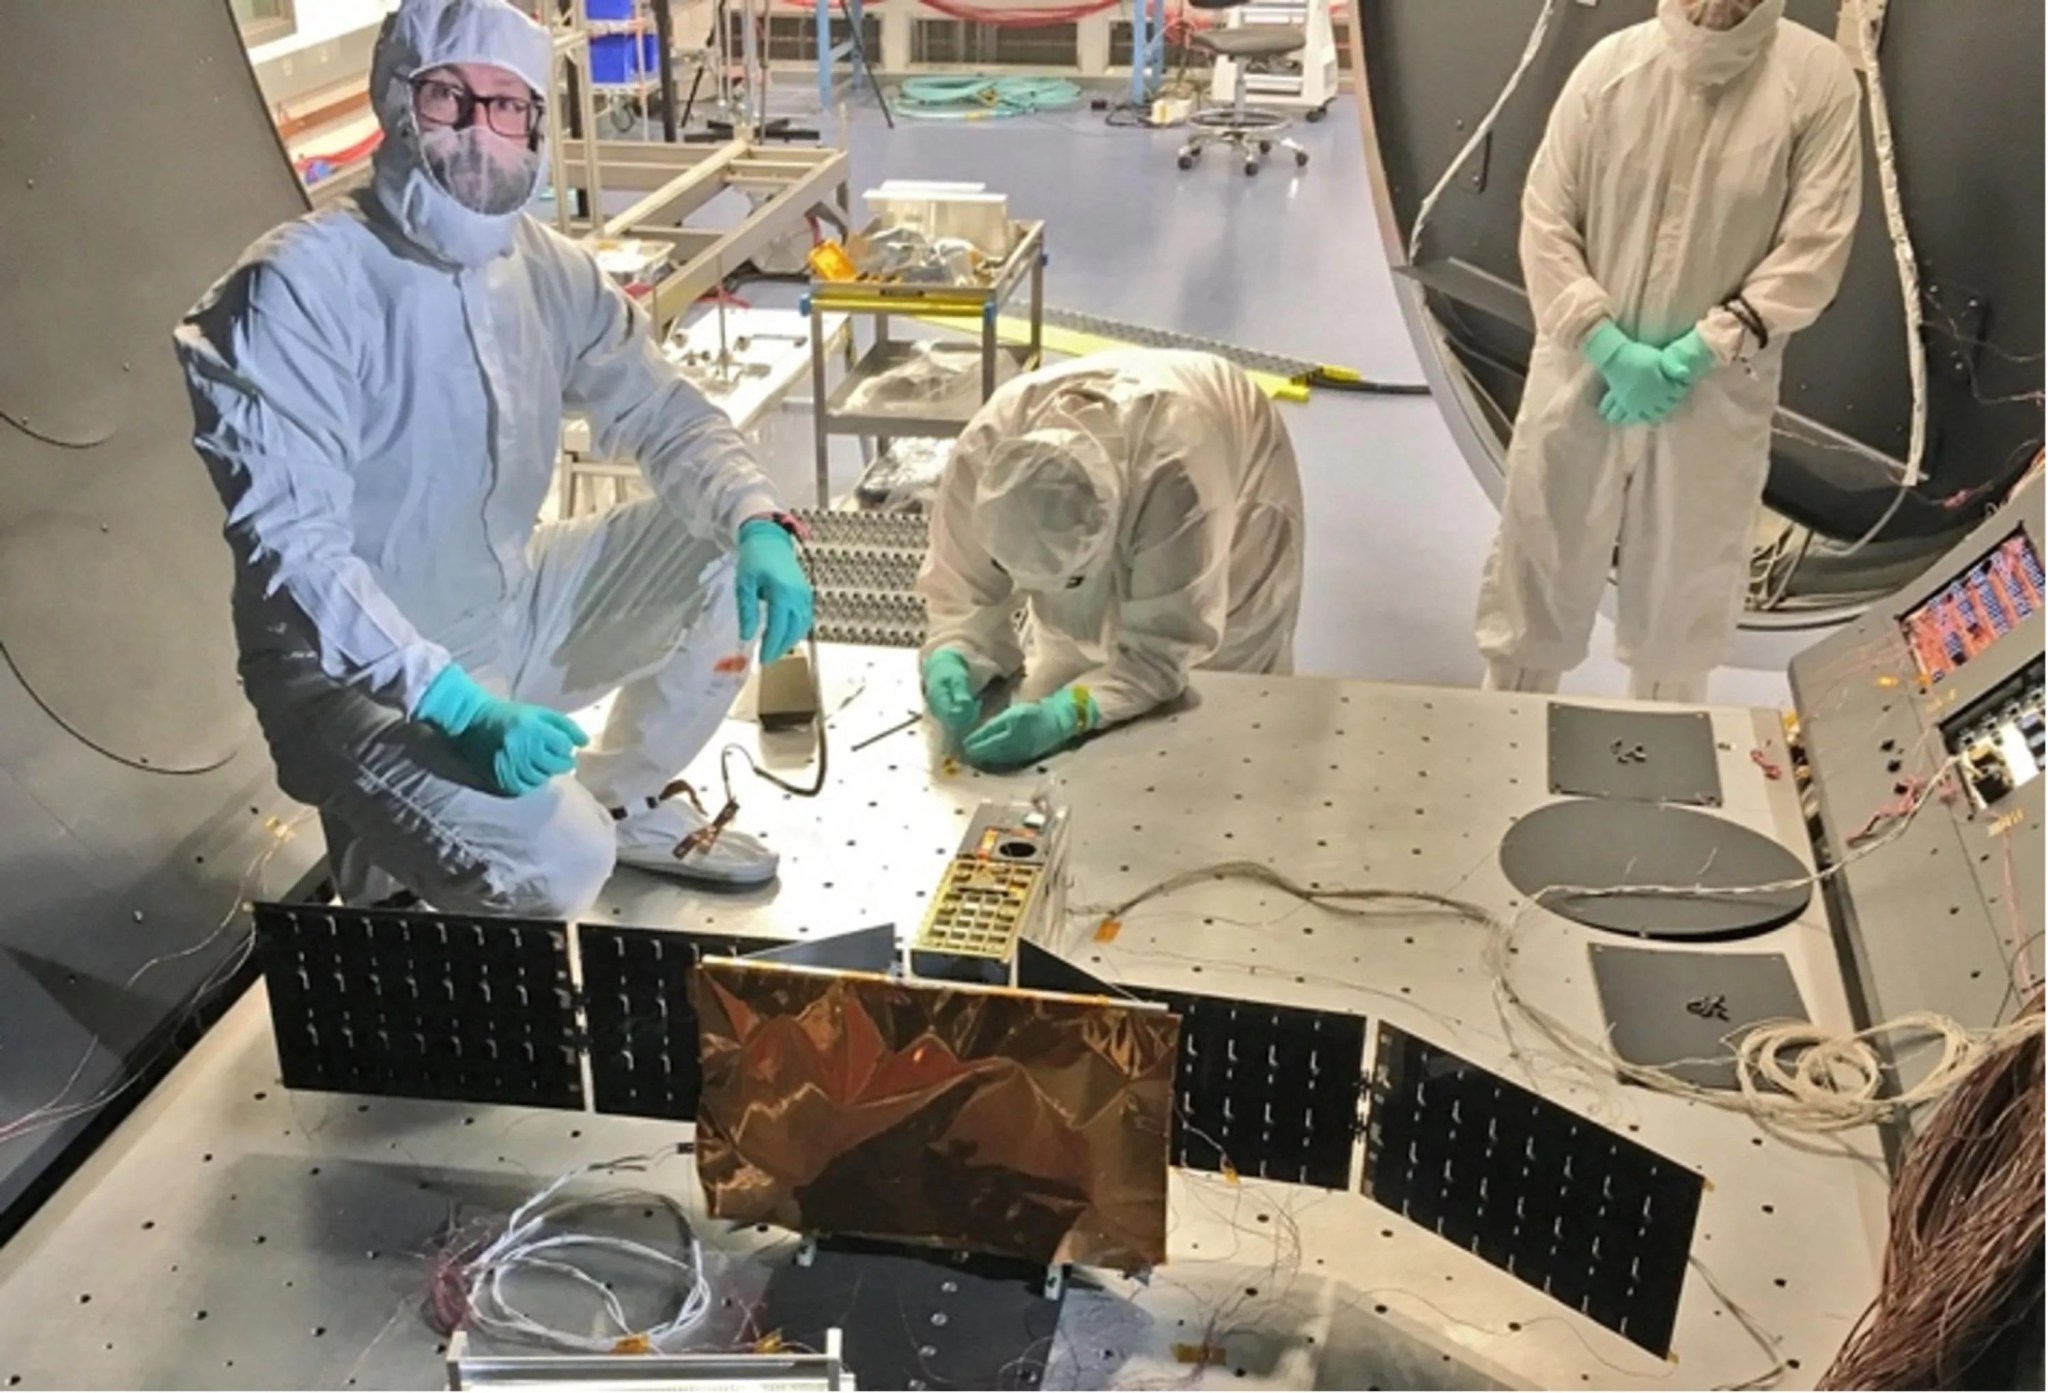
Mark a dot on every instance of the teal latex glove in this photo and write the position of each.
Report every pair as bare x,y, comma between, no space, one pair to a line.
1031,730
1688,360
949,692
1638,392
513,748
770,575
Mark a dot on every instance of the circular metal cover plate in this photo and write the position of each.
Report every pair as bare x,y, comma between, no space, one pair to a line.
128,658
1609,843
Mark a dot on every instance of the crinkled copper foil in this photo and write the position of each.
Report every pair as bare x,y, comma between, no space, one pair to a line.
978,1120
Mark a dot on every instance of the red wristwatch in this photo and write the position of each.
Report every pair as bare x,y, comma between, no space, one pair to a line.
788,522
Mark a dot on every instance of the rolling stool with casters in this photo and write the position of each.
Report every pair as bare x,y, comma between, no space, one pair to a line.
1254,131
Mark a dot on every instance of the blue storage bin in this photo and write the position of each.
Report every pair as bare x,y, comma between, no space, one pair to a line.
608,9
611,57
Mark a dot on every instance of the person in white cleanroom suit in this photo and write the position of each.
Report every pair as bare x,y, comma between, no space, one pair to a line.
1690,209
1148,506
378,391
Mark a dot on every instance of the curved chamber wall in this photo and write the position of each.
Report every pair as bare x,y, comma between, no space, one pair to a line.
136,162
1964,84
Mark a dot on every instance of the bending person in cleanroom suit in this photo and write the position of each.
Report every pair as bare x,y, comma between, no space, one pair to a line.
378,391
1147,506
1691,208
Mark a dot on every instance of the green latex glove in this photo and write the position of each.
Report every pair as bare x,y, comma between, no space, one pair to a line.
1688,360
512,748
769,574
1031,730
949,692
1638,392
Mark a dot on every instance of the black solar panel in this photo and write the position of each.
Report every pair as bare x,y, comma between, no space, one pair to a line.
1271,1091
1600,1223
421,1005
643,1034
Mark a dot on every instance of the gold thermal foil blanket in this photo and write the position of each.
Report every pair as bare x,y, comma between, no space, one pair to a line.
971,1119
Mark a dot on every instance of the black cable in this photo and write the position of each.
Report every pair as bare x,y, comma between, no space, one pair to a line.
1342,380
860,54
690,104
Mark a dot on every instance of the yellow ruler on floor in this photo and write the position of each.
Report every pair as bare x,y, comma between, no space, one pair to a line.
1073,343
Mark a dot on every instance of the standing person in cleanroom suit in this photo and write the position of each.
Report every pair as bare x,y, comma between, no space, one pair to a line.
1147,506
1690,209
378,390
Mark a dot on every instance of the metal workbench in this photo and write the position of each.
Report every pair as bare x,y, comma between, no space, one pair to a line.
973,309
232,1234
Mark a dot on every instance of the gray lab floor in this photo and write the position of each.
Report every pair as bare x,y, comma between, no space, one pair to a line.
1287,261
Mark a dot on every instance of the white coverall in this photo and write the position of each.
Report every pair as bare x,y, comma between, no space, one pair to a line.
1682,166
1198,564
378,391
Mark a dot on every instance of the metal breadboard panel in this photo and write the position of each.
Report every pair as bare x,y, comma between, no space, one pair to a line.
421,1005
918,1320
1595,1220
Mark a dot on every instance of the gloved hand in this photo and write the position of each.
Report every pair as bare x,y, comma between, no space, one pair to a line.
1638,392
513,748
1032,730
770,574
949,692
1688,360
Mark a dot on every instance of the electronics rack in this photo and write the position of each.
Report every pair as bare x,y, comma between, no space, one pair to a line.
1945,917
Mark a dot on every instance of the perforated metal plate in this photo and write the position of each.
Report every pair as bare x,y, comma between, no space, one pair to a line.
1649,756
864,567
421,1005
1271,1091
1585,1214
636,999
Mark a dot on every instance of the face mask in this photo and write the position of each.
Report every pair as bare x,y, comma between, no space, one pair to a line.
1718,14
483,172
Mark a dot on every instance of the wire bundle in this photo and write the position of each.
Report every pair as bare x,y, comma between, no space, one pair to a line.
1966,1231
1831,1083
467,1288
1790,1075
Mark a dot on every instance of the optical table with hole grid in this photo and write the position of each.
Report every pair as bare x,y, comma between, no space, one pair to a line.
232,1234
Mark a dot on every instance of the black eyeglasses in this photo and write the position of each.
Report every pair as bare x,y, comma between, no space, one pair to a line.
448,104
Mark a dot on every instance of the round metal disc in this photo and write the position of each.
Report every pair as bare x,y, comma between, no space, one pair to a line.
1605,844
123,653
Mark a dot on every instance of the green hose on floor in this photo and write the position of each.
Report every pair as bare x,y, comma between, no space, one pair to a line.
984,98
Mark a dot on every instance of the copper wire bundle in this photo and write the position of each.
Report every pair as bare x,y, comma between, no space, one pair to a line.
1966,1225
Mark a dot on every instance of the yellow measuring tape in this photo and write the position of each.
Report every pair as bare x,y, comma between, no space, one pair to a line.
1073,343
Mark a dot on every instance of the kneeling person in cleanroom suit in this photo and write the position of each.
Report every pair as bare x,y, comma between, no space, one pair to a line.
378,390
1147,507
